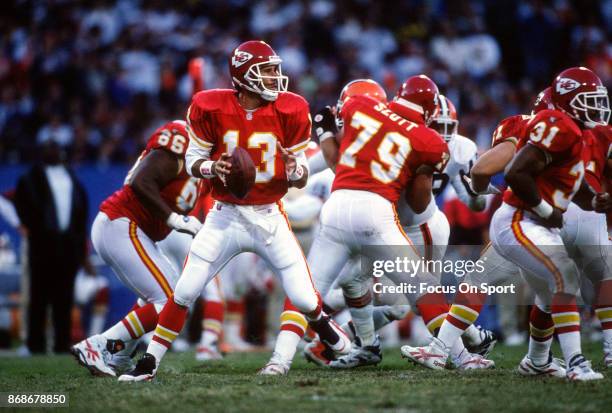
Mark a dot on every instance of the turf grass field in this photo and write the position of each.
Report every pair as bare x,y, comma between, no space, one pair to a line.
184,385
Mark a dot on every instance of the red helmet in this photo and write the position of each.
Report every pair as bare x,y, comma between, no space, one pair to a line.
446,122
246,63
357,87
578,91
419,94
543,101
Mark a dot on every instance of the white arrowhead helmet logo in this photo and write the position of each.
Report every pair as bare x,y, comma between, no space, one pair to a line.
240,57
566,85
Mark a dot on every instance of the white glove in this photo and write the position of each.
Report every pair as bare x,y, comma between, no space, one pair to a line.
183,223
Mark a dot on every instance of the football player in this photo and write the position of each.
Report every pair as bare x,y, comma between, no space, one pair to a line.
430,229
549,169
156,196
260,116
417,92
583,234
381,152
466,308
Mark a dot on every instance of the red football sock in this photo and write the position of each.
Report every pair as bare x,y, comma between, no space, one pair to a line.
433,308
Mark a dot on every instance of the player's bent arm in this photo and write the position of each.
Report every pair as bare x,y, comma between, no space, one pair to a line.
491,163
608,170
331,152
418,193
521,174
522,171
199,165
475,203
299,179
155,171
584,197
317,163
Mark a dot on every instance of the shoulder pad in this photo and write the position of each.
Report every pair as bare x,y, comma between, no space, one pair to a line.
213,99
559,119
462,149
289,102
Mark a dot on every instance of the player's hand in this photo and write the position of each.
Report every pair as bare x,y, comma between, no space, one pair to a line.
324,124
183,223
602,202
222,166
553,221
467,183
289,159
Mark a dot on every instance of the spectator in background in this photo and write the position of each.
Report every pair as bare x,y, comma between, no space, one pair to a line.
52,206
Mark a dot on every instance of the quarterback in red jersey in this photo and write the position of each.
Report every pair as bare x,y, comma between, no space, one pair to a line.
544,177
273,125
156,198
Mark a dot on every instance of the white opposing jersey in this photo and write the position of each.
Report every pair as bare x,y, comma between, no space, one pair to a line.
304,207
463,152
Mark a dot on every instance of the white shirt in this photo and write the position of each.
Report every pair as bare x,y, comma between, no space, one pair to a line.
61,188
462,152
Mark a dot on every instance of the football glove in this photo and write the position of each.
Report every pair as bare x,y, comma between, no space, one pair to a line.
467,183
324,124
183,223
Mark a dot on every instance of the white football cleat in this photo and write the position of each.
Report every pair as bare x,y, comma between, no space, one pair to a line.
92,354
553,368
145,370
207,353
580,370
607,346
433,356
359,356
275,367
471,361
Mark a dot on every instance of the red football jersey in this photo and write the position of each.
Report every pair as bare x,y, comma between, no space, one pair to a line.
380,151
598,148
562,141
218,122
179,194
511,129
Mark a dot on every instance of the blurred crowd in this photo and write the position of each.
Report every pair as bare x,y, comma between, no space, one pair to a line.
97,77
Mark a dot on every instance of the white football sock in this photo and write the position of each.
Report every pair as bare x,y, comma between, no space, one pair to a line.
539,350
364,324
286,345
449,334
570,344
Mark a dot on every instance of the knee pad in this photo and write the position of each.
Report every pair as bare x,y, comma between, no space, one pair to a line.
355,288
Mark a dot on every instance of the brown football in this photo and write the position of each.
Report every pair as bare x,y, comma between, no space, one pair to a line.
241,178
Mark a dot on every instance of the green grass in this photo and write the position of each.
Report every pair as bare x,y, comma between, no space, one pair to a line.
183,385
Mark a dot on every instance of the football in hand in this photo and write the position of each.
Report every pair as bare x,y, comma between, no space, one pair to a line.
241,178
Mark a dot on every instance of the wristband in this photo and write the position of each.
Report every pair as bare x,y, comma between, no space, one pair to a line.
325,135
543,209
297,174
206,169
172,219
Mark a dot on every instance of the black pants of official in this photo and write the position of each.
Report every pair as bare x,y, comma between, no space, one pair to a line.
51,287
